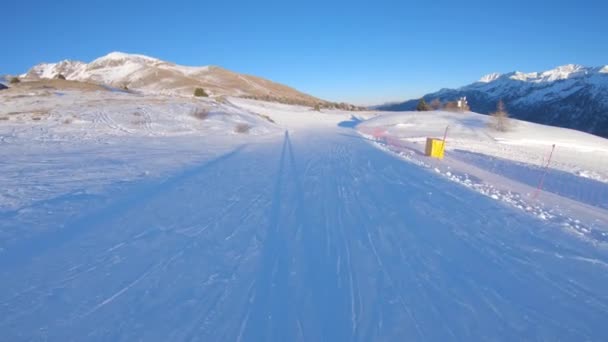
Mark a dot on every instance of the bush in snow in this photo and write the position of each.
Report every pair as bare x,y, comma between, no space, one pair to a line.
452,106
60,77
500,118
267,118
221,99
435,104
15,80
242,128
422,106
200,92
317,107
200,113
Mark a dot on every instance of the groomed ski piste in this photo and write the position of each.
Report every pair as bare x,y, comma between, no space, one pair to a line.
134,217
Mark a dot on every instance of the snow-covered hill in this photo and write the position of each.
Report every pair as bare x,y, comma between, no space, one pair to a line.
125,217
571,96
508,166
152,75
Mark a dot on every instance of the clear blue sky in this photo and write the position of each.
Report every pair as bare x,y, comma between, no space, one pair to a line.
360,52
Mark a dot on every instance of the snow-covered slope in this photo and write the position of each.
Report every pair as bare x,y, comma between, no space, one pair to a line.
577,153
52,70
120,230
152,75
83,120
571,96
509,166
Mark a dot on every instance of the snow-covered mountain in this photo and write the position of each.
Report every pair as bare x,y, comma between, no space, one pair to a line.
153,75
4,80
571,96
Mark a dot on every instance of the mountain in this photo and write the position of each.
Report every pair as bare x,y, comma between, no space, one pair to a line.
151,75
570,96
4,80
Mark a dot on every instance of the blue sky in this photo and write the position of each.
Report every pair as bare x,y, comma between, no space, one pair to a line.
360,52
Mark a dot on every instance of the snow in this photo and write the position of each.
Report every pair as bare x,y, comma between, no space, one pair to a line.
92,127
136,221
508,166
118,69
521,76
543,87
526,142
189,70
121,56
563,72
156,77
490,78
66,68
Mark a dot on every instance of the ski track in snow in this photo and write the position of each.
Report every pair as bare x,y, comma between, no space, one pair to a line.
314,235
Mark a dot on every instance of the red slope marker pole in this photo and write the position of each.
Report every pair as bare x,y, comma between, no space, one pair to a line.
542,178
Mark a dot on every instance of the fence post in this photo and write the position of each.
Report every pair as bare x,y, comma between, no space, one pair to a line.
542,177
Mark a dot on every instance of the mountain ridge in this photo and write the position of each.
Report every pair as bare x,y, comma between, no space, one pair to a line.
152,75
570,96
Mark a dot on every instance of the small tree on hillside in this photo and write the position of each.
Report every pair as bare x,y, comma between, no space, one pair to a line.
200,92
435,104
317,107
15,80
451,106
500,118
422,106
61,77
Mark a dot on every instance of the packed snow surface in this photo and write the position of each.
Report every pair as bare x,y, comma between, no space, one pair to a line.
127,217
554,174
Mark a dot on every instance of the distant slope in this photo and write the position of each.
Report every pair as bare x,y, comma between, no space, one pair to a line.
47,85
152,75
570,96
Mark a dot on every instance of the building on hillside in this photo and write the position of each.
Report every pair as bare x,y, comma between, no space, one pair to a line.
462,103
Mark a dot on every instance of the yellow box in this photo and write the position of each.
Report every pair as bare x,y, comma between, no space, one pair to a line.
434,148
